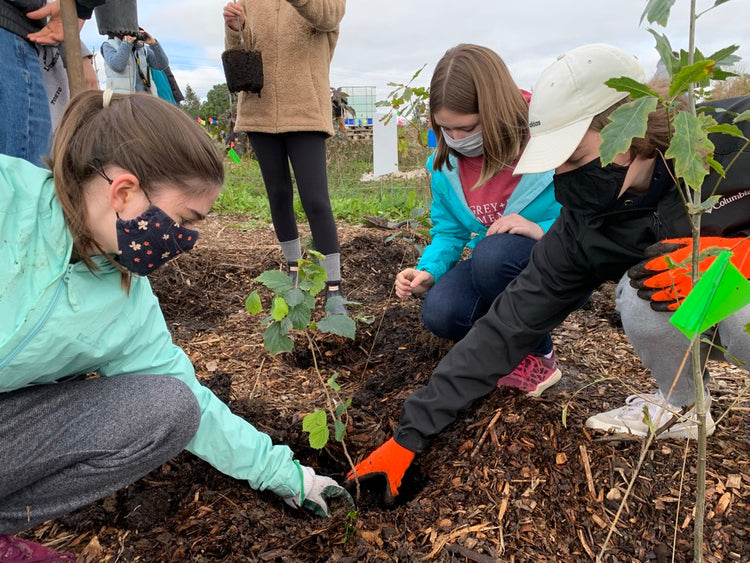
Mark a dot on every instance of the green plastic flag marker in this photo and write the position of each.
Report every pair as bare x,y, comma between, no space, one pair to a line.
234,156
721,291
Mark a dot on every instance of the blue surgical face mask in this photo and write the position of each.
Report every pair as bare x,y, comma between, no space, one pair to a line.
470,145
151,240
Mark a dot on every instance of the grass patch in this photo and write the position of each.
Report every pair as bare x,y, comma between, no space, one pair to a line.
351,199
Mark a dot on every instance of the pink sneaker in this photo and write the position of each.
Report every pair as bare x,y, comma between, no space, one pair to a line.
17,550
534,374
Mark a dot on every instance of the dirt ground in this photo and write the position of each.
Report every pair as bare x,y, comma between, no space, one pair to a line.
509,481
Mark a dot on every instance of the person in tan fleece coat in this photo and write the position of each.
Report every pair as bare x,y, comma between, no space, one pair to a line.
289,121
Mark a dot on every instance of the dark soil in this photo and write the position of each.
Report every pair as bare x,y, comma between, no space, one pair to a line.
509,481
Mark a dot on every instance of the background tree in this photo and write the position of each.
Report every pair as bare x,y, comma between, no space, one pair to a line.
192,104
218,102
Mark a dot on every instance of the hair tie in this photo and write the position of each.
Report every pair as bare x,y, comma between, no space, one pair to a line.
107,97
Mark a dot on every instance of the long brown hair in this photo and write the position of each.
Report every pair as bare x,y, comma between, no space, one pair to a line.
474,79
150,138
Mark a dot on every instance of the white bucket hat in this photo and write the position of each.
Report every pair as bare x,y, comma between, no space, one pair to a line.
567,96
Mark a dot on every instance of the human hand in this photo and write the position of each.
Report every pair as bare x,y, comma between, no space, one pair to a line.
232,14
52,33
390,460
149,38
316,492
412,282
129,38
666,287
514,224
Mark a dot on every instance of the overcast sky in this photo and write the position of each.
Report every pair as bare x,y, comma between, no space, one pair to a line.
386,41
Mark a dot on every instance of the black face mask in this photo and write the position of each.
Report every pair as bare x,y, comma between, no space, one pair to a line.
151,240
591,188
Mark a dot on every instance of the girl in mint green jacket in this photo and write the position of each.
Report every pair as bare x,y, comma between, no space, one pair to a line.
131,176
480,119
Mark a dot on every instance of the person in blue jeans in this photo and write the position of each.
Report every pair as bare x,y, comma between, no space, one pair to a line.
26,127
480,119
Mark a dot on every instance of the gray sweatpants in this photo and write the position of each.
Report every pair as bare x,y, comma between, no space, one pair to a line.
65,445
662,347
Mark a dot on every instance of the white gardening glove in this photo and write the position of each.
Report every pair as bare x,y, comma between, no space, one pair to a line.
315,491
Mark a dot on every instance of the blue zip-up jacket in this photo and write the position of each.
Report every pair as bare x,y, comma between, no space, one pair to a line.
59,319
455,226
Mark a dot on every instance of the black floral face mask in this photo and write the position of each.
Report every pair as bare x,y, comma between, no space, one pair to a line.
591,188
151,240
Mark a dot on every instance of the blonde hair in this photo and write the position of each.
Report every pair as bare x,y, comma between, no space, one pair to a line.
152,139
474,79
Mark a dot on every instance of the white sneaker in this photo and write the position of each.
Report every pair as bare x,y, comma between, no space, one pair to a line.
667,420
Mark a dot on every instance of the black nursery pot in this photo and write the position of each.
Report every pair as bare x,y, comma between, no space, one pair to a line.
243,70
117,17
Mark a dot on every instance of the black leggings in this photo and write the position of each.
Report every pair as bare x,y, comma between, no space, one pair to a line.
307,153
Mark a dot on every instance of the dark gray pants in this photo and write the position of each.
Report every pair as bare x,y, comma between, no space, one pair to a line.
65,445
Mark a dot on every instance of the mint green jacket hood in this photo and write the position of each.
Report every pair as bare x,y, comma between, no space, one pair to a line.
59,319
454,225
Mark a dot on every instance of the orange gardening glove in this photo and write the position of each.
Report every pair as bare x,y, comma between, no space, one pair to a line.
390,460
665,278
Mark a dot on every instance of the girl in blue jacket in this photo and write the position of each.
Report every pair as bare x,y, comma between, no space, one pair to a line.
130,177
480,118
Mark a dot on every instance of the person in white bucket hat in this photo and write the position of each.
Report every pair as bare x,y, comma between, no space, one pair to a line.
567,96
610,216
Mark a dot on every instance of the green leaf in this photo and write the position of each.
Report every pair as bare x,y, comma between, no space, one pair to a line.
312,276
727,129
365,319
715,166
294,297
657,11
275,338
696,72
664,48
339,429
627,121
634,88
338,324
341,407
316,424
315,254
690,147
720,74
707,204
309,301
334,302
275,280
300,316
279,308
332,382
725,56
744,116
252,303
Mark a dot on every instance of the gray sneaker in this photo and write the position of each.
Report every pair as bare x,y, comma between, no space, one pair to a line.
668,420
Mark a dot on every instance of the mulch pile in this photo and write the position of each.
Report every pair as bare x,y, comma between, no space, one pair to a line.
514,479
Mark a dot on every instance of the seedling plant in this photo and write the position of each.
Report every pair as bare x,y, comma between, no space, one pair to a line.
292,307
